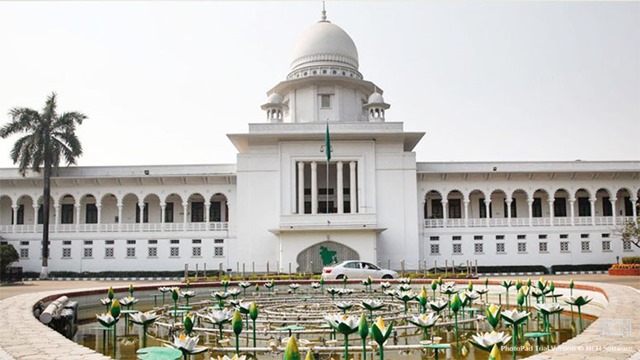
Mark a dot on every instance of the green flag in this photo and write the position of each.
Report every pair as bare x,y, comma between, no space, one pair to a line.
327,144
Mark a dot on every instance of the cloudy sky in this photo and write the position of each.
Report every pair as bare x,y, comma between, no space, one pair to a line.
164,82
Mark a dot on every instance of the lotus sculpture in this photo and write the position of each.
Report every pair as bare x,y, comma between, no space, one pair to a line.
579,301
487,340
188,294
372,305
345,325
494,313
405,297
144,319
380,333
424,321
244,285
515,318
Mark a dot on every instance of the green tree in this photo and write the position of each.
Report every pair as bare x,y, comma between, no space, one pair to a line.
47,138
631,231
8,255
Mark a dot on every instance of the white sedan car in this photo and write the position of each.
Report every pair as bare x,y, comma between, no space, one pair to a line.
354,269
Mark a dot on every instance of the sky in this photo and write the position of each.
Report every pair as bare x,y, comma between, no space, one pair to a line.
164,82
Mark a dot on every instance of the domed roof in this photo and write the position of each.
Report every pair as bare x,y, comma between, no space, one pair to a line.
376,98
274,98
324,44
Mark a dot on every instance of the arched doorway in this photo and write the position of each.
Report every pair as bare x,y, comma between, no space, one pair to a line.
315,257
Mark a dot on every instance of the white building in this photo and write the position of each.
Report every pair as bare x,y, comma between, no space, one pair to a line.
284,203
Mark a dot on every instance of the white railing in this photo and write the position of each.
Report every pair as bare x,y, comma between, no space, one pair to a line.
526,222
94,228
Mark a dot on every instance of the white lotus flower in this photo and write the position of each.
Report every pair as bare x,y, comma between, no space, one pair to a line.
514,317
244,284
105,301
218,316
343,323
315,285
472,295
128,301
233,292
144,318
424,320
235,357
372,304
385,284
186,342
294,286
165,289
548,309
187,294
485,341
106,319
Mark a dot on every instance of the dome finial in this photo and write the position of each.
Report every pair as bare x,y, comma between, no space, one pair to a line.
324,13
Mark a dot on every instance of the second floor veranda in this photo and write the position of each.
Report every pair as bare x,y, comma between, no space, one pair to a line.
582,207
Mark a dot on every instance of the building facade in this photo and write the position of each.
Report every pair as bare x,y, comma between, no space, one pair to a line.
296,200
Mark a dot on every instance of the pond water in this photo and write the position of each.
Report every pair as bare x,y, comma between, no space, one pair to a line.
305,311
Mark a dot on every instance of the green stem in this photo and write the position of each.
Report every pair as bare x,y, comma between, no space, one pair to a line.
455,315
254,332
220,327
381,349
238,345
175,311
580,317
144,335
346,346
364,349
114,339
514,344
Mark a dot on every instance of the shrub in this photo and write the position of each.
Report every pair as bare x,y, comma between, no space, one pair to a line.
631,260
625,266
8,255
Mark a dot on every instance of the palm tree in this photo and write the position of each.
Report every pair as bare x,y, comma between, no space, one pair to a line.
47,138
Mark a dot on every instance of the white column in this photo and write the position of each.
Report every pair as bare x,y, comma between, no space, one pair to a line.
444,203
530,203
57,219
14,208
163,209
185,211
572,209
466,213
633,207
314,187
207,208
551,212
300,187
77,216
119,216
593,211
35,217
613,210
340,187
353,187
487,204
99,209
224,215
508,202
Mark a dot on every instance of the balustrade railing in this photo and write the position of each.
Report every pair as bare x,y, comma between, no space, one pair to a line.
526,222
126,227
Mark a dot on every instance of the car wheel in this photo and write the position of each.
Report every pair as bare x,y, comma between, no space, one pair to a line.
340,277
387,277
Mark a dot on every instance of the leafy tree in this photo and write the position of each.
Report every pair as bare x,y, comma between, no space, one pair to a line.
631,231
47,138
8,255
